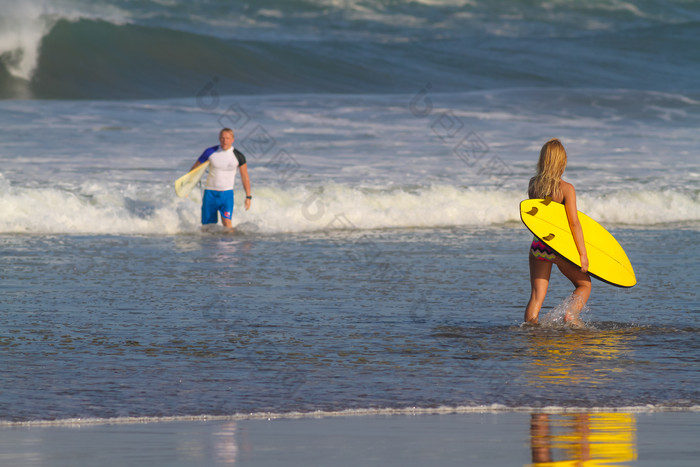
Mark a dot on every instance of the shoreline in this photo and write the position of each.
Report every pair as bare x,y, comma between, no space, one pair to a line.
495,409
477,438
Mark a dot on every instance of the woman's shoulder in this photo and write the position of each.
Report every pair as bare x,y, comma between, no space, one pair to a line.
566,185
567,189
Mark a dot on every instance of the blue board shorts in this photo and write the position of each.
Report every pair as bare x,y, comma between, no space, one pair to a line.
215,202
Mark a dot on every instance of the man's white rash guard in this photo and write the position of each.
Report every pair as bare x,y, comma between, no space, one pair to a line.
222,167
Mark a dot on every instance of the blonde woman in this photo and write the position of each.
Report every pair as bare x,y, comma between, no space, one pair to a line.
548,182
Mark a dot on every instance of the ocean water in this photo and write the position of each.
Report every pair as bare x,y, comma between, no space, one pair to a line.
382,266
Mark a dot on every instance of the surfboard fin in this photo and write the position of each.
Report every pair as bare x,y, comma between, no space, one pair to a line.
547,200
533,211
549,237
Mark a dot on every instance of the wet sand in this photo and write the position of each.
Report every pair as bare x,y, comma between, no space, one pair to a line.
483,439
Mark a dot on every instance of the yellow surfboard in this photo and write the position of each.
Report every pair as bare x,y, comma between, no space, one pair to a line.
607,260
185,184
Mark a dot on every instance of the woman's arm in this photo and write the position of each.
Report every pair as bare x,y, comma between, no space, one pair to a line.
569,193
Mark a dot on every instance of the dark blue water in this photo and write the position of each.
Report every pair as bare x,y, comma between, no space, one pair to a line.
100,326
122,49
382,264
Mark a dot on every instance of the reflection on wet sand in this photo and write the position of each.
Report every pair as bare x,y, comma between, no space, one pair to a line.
225,444
585,439
587,360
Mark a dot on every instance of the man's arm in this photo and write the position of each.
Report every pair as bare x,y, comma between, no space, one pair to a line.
245,179
204,157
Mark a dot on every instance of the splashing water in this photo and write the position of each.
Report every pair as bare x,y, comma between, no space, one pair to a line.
566,314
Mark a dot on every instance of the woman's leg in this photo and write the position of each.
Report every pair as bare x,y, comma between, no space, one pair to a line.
540,271
582,282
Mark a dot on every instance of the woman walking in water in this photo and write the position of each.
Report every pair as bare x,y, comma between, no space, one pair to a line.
548,182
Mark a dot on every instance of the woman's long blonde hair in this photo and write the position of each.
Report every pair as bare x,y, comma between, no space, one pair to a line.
550,168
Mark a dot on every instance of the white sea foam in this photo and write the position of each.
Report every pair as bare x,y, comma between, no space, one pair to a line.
22,26
119,208
442,410
644,207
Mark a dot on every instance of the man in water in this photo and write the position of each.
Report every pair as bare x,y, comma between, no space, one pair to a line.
224,160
